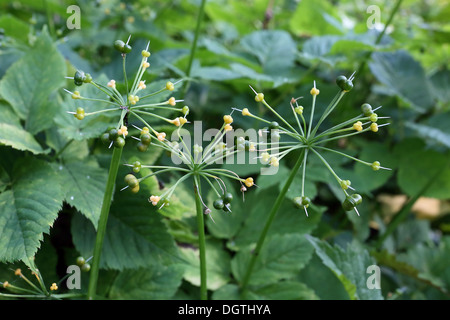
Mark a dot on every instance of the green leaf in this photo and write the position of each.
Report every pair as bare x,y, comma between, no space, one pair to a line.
314,17
135,236
156,282
417,165
281,257
28,209
429,134
30,83
283,290
217,265
83,184
403,76
19,139
275,51
289,219
349,266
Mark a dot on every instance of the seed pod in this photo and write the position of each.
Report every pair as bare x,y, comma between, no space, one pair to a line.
227,197
218,204
79,78
302,202
86,267
119,142
142,147
348,85
340,81
146,138
351,201
80,261
366,109
131,180
113,134
105,138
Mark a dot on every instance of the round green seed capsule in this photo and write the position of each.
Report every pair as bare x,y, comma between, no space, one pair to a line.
136,167
113,134
274,125
105,138
366,109
79,76
348,85
86,267
340,81
302,202
80,261
142,147
351,201
146,138
227,197
119,142
218,204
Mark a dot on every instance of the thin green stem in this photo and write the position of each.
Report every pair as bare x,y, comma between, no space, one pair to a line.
194,43
273,212
101,230
380,36
201,239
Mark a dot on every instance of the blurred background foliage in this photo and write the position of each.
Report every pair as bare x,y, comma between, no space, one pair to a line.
278,47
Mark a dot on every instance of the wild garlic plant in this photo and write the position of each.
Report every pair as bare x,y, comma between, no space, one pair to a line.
127,105
304,136
199,165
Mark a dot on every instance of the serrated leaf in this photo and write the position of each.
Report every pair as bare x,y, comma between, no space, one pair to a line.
281,257
28,209
157,282
135,234
28,85
83,184
19,139
349,266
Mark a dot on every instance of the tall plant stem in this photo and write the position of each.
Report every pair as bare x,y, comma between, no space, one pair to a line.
113,168
194,43
269,221
201,239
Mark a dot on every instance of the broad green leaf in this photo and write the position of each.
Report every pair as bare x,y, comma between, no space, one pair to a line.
325,284
404,76
29,85
83,184
281,257
283,290
256,208
28,209
14,27
314,17
217,265
275,51
349,266
135,236
429,134
156,282
417,165
19,139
